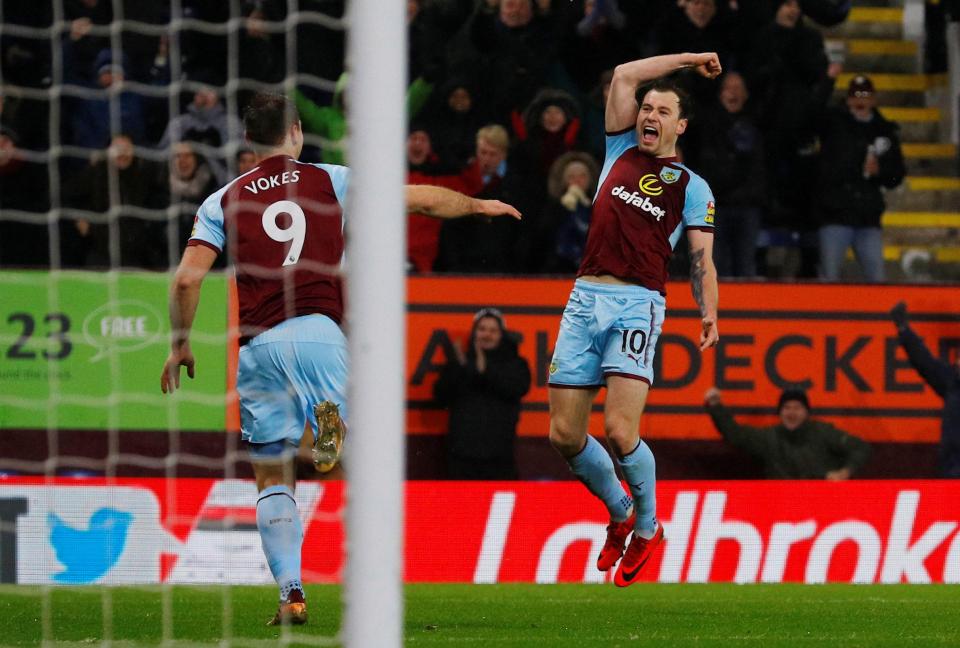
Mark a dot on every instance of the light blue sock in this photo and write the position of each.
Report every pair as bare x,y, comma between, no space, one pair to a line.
282,536
594,468
639,468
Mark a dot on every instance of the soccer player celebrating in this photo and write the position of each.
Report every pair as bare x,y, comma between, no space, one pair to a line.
283,224
645,201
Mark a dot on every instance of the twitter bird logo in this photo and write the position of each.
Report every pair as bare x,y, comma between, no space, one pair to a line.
88,555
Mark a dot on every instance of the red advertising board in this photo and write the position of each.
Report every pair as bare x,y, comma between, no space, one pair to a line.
202,531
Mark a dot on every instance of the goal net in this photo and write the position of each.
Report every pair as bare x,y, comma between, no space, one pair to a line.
118,118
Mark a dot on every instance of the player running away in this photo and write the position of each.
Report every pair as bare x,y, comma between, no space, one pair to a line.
283,224
645,201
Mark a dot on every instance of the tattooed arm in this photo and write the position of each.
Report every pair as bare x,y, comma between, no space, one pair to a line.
703,283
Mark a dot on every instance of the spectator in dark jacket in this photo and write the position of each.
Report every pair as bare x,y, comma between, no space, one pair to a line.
859,155
730,158
511,44
482,390
944,378
89,118
24,187
478,244
548,128
141,237
787,76
796,448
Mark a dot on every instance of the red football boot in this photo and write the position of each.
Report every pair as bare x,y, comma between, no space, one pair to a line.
636,556
617,533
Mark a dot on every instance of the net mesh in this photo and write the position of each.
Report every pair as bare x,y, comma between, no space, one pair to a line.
89,443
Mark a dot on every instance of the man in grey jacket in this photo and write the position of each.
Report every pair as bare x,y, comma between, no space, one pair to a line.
797,447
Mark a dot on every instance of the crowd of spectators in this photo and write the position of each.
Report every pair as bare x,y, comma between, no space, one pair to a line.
506,101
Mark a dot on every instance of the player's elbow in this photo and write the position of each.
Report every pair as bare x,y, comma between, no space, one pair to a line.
185,282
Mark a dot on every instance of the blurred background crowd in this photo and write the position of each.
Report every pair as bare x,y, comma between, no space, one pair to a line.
506,101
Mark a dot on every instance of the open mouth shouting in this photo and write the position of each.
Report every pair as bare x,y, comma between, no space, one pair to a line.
649,135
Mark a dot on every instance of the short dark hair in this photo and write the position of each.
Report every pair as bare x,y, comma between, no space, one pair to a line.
672,84
268,117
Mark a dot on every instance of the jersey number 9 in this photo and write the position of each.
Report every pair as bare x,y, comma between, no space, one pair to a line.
297,232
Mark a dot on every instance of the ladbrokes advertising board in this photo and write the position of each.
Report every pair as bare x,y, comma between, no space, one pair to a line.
835,341
204,531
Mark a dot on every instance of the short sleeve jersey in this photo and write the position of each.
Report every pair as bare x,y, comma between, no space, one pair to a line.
283,225
642,206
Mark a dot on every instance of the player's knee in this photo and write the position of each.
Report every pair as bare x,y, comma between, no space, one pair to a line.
567,440
623,436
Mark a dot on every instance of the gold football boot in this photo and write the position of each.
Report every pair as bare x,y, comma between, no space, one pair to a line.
330,433
292,611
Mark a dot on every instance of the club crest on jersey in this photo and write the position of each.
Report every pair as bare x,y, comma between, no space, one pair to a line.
643,202
649,186
669,175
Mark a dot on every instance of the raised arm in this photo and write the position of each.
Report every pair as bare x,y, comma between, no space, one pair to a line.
184,298
703,283
446,203
622,109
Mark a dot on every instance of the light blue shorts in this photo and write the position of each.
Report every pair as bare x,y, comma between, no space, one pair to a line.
607,330
282,374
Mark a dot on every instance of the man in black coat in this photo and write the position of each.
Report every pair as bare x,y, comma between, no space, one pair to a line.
482,390
859,155
944,378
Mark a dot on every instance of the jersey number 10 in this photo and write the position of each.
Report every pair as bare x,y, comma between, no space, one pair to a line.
297,232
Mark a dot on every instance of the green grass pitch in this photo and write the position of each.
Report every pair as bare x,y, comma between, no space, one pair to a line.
509,615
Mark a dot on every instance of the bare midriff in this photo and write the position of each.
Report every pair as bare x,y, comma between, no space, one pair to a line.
605,279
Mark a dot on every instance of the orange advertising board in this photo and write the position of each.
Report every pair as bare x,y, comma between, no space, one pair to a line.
836,341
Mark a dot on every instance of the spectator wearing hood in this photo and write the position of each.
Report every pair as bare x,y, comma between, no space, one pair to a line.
424,167
548,128
206,123
563,225
454,119
24,186
89,118
482,389
797,447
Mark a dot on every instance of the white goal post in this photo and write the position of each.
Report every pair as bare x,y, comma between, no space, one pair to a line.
376,297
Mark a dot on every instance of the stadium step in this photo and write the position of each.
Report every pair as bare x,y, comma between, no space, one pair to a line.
870,22
925,194
895,89
931,159
877,55
916,124
912,220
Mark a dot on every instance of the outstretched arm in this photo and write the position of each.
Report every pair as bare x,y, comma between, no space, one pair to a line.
184,298
703,283
622,109
446,203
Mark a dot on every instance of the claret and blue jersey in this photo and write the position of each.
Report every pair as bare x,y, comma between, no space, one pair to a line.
283,223
642,206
